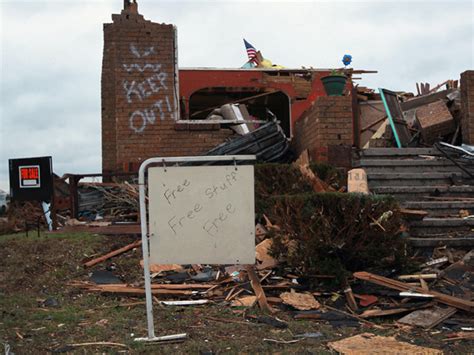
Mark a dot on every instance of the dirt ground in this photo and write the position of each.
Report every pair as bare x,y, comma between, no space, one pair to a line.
40,313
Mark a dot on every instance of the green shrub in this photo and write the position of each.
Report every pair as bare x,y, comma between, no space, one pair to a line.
336,231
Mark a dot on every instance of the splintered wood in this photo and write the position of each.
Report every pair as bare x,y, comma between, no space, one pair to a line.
265,260
317,184
257,288
401,286
428,318
133,245
366,343
302,163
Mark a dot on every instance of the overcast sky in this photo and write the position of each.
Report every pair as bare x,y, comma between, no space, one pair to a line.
51,56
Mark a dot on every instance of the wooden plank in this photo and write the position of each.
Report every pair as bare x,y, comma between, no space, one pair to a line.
428,318
371,313
423,100
257,287
418,277
137,291
115,229
113,253
401,286
395,117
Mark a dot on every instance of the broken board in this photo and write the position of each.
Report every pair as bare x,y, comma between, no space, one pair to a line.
395,117
428,318
202,214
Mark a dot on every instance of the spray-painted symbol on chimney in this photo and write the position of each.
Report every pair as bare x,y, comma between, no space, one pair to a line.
143,89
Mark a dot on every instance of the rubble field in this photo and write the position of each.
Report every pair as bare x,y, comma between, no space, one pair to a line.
42,311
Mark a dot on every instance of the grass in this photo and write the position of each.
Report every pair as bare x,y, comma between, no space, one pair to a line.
34,269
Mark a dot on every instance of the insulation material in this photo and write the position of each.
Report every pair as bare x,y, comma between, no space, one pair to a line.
367,342
300,301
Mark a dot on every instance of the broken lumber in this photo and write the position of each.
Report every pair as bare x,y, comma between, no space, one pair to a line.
113,253
372,313
262,251
418,277
351,302
257,288
156,289
428,318
317,184
137,291
401,286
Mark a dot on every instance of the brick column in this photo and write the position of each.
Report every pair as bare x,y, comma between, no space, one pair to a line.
326,124
467,106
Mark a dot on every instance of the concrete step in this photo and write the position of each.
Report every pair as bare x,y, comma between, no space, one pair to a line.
417,193
413,179
397,153
406,165
440,208
442,227
466,241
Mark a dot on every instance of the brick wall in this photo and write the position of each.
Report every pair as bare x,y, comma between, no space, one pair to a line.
326,124
139,108
467,106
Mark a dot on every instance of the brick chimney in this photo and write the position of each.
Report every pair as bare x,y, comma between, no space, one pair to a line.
138,87
139,96
130,7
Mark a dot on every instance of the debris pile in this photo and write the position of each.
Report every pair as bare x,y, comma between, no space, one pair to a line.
309,258
25,216
110,201
404,120
437,295
268,143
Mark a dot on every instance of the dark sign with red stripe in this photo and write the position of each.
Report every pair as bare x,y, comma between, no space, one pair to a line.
31,179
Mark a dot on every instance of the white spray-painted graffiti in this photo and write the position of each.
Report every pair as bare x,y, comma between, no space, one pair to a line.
143,117
141,68
138,91
146,88
145,53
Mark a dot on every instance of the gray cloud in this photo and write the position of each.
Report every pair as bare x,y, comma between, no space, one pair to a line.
51,54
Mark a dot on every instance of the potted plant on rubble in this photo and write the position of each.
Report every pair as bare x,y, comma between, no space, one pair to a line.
335,83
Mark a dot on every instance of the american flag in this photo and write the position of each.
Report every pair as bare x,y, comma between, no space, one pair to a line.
251,52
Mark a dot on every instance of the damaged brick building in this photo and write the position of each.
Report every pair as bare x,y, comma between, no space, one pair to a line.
150,107
143,115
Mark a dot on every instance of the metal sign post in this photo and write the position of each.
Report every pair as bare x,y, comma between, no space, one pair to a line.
144,228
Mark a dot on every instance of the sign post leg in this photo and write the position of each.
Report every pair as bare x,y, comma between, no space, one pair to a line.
146,254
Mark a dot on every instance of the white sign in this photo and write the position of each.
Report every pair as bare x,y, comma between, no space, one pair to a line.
202,215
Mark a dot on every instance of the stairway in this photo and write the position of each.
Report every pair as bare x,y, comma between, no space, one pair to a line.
423,179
